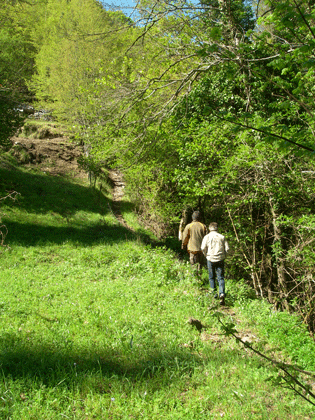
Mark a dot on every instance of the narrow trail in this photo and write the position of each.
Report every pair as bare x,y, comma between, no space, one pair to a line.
244,335
118,183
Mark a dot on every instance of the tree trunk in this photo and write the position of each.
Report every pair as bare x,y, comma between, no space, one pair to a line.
281,272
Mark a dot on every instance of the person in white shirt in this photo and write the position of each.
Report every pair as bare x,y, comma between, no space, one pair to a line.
215,248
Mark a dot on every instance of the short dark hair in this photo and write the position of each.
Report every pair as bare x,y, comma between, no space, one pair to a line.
213,226
196,215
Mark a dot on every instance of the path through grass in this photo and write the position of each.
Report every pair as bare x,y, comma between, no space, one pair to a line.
94,321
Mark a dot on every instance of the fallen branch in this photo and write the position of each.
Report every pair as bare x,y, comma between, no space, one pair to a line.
289,378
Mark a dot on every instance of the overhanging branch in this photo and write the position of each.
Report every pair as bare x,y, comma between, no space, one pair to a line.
302,146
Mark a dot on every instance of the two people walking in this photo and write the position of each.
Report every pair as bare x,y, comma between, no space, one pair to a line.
213,246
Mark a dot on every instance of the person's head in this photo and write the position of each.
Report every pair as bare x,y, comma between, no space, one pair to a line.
196,215
213,226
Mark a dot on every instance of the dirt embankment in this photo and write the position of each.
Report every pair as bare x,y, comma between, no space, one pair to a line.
51,151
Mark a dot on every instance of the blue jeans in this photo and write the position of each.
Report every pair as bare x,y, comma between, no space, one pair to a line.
216,271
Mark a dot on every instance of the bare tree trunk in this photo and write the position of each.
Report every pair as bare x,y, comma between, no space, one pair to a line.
281,272
252,265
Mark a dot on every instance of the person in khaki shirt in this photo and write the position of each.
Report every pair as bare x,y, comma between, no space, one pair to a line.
192,238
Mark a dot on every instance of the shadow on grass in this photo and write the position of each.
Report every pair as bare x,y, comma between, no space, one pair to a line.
27,234
52,366
59,198
42,194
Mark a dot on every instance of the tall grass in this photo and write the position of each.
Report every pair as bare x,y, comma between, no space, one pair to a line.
94,321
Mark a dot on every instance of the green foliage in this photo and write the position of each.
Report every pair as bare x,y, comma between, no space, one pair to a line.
10,120
16,46
17,54
95,321
82,66
287,375
282,330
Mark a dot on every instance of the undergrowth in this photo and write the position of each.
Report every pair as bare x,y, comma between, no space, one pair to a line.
95,320
284,330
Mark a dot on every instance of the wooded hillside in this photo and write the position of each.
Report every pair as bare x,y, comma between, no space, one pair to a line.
204,105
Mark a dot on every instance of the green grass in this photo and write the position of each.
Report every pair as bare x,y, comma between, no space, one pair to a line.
94,321
34,128
284,330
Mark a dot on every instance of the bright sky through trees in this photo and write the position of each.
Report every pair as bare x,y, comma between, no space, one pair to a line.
127,6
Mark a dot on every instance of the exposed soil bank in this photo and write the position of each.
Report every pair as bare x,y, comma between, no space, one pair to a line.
56,156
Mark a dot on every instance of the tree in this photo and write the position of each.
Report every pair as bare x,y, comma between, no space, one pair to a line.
273,62
202,105
78,42
17,54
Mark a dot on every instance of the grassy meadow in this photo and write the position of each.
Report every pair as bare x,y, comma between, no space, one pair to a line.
94,321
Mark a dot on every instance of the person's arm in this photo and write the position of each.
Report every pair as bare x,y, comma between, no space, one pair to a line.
204,246
180,230
186,236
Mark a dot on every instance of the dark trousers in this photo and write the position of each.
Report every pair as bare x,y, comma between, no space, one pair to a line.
216,273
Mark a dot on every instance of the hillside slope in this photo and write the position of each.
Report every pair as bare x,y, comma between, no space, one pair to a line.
95,322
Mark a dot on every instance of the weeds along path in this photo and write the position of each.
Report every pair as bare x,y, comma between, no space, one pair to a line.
94,322
232,322
118,183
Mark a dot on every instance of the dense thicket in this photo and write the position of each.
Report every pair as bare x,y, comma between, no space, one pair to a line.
17,55
207,105
240,144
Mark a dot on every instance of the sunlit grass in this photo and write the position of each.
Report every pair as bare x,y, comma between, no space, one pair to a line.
94,322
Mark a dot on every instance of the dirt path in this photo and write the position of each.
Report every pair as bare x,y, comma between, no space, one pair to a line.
59,156
118,183
118,193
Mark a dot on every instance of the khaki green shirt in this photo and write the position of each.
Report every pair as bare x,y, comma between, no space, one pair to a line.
193,235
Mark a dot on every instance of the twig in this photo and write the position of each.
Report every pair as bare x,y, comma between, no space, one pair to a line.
282,366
